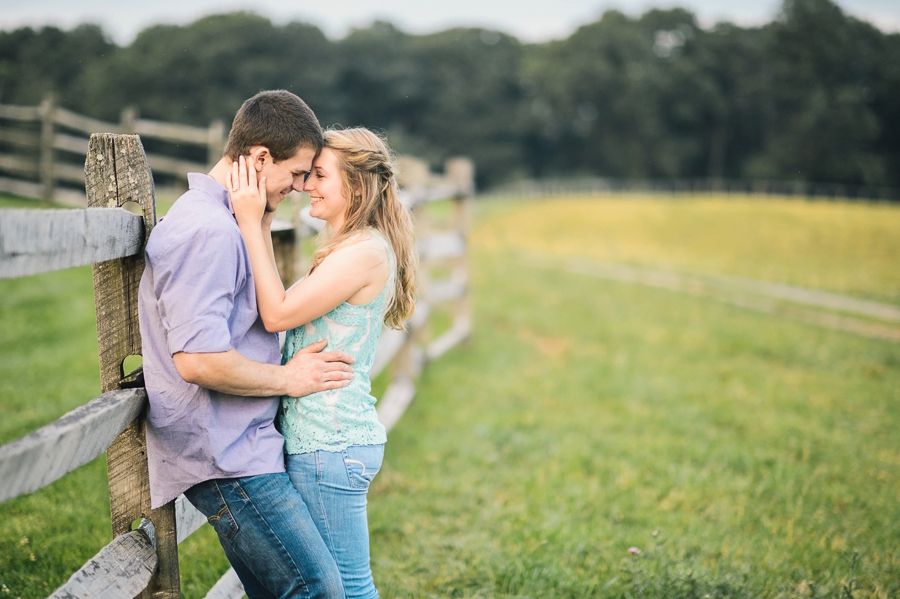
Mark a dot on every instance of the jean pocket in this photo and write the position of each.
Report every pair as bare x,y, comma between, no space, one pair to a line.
207,497
224,523
363,462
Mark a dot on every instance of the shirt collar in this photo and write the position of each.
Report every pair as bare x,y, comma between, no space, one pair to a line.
211,187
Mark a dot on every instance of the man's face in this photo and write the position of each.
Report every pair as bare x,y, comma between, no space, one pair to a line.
284,176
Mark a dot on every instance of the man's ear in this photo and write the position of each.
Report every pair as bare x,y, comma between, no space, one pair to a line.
261,156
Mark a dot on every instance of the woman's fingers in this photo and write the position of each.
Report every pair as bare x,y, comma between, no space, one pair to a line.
243,172
251,172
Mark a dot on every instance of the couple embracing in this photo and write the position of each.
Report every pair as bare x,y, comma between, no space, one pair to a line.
277,451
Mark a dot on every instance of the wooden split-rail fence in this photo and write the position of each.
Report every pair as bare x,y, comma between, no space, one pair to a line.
42,150
142,559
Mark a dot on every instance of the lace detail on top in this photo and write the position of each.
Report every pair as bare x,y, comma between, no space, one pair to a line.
338,418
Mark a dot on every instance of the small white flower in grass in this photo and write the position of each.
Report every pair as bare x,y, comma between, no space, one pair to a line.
633,550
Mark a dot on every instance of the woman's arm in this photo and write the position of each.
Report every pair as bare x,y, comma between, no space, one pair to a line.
337,278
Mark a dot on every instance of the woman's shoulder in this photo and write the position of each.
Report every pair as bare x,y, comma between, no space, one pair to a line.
366,242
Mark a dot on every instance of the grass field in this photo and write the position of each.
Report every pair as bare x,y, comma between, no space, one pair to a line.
740,454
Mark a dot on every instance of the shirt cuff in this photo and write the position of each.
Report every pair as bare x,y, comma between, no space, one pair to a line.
200,336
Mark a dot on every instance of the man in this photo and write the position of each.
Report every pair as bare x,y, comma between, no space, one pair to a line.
212,372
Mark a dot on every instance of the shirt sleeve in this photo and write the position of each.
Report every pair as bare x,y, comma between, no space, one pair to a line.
195,283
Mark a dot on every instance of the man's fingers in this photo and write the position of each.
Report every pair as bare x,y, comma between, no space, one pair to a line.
337,374
335,385
314,348
336,367
338,356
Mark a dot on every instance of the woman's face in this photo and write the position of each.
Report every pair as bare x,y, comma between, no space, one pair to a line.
326,189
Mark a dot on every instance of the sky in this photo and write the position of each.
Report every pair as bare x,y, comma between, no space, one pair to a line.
529,20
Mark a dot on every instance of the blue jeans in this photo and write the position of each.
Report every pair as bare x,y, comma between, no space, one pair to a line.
269,537
334,487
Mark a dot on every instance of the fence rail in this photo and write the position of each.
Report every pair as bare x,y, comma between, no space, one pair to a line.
44,142
144,562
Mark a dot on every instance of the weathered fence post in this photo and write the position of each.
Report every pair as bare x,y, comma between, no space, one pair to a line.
216,142
47,112
461,172
128,118
116,172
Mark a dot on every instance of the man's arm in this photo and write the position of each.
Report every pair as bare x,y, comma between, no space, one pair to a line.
308,371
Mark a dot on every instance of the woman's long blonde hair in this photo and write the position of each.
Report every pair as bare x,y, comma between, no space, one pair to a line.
370,183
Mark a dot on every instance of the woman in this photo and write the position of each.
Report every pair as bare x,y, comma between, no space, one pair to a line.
362,276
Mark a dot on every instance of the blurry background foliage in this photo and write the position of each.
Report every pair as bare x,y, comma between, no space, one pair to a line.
810,96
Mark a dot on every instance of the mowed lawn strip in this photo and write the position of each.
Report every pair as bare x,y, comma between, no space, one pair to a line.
838,246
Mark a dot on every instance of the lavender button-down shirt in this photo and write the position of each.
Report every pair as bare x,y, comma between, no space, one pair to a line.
197,296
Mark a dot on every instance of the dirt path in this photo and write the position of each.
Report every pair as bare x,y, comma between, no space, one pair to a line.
822,308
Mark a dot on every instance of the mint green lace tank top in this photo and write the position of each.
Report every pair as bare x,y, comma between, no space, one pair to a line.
338,418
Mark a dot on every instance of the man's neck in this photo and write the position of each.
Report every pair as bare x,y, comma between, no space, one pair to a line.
220,171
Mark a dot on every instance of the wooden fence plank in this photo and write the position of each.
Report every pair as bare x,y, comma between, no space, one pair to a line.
17,187
70,143
421,195
26,139
392,340
389,344
172,132
284,246
458,332
450,244
116,172
35,241
174,166
228,587
85,124
397,398
69,197
121,570
38,459
68,172
445,290
188,519
19,164
19,113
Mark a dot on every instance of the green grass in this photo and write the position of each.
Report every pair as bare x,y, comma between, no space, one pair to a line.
743,454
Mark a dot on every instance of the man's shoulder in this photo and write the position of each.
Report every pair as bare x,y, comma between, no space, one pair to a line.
193,221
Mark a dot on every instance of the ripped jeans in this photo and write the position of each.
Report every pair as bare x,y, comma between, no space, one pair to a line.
334,487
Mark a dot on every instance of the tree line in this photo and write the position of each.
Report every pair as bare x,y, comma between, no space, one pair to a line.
813,95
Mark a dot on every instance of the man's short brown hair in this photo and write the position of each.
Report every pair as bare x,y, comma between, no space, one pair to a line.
278,120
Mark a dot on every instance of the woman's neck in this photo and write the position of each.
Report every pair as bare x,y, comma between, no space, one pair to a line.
337,225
